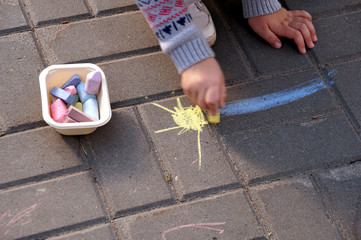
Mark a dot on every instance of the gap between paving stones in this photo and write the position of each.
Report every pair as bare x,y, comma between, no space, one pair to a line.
122,55
90,157
159,161
327,205
46,180
90,154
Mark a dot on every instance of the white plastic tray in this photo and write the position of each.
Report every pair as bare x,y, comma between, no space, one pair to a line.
57,75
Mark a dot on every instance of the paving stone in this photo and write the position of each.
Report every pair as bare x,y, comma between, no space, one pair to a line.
104,231
304,108
11,16
126,82
318,7
294,210
104,6
49,11
221,217
285,149
331,45
263,58
342,187
126,166
228,52
38,153
180,151
348,83
96,38
51,207
20,66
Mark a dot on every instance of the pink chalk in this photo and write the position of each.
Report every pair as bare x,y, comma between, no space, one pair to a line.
93,81
58,110
78,115
71,89
69,120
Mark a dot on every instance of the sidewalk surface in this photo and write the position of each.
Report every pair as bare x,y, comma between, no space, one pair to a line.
288,168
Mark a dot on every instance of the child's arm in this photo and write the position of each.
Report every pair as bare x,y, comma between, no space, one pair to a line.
188,49
278,22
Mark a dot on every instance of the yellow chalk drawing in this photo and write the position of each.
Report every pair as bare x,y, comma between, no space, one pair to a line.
187,118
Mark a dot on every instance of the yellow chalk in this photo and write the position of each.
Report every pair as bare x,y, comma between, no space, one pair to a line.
79,106
214,118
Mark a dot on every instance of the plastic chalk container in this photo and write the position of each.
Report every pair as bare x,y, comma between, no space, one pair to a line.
57,75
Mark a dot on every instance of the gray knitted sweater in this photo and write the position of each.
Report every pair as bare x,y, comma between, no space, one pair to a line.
177,34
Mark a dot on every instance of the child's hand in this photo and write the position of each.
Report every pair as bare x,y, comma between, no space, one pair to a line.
204,84
296,25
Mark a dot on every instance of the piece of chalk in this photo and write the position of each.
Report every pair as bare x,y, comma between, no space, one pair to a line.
79,106
78,115
90,108
83,95
69,120
63,95
71,89
214,118
58,110
74,80
93,81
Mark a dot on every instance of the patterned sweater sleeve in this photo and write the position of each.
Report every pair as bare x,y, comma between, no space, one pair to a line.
177,34
254,8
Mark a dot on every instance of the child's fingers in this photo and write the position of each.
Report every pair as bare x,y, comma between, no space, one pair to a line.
223,95
269,36
212,98
297,37
301,13
309,25
305,33
201,102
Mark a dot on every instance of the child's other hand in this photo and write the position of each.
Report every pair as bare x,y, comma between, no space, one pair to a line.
296,25
204,84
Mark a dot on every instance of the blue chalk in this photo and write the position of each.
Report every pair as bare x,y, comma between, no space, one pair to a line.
74,80
83,95
90,108
63,95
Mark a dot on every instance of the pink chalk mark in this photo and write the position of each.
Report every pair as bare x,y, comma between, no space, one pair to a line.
196,225
194,162
21,215
16,219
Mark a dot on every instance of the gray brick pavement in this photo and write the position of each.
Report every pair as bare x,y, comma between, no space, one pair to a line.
292,206
54,206
347,85
126,166
89,39
15,20
20,66
298,147
318,7
38,154
134,188
331,47
222,217
306,108
110,6
342,189
180,152
126,82
103,231
53,11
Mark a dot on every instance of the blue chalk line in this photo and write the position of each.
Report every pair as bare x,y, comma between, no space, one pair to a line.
276,99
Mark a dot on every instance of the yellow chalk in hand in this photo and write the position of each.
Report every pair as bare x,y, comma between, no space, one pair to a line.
216,118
